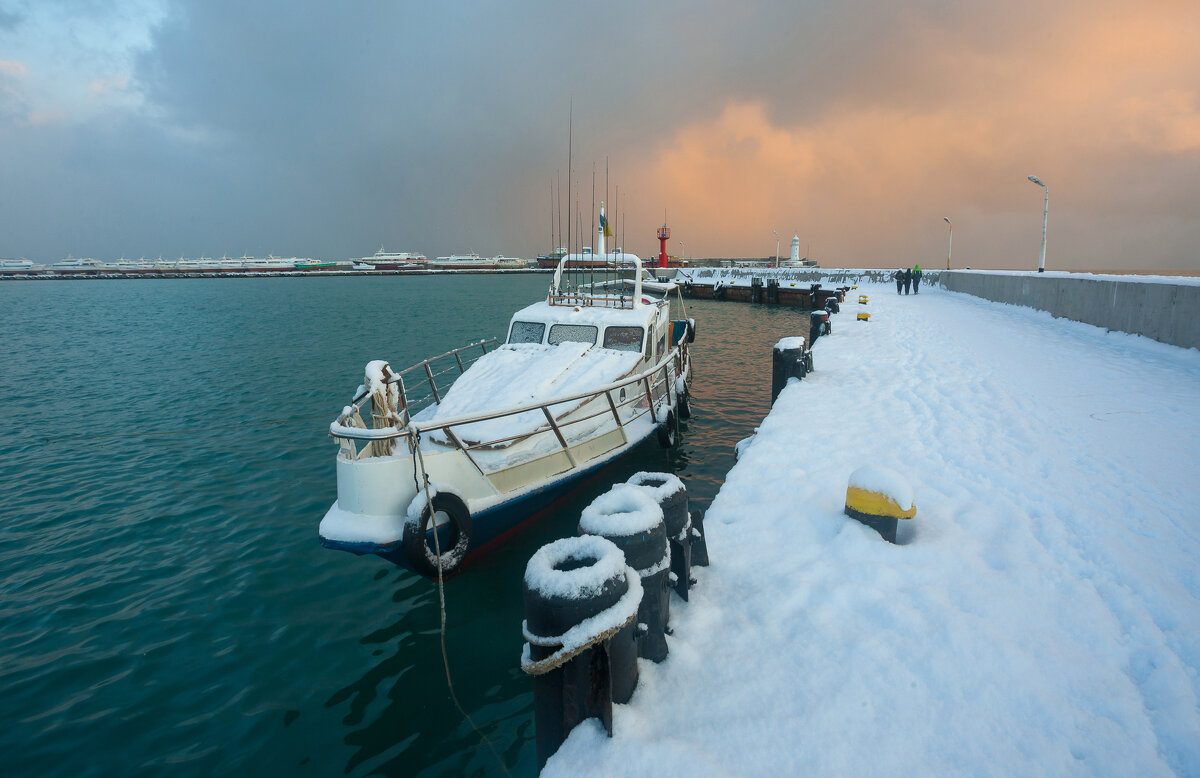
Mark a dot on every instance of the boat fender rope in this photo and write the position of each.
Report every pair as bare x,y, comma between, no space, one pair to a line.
414,445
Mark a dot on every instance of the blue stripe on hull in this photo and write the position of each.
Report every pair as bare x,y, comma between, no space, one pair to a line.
488,525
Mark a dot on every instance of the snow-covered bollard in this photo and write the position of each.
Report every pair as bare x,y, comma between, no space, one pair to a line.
878,497
671,495
580,599
832,304
788,360
633,521
818,325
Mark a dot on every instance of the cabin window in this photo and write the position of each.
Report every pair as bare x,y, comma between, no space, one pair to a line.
662,345
527,332
573,333
623,338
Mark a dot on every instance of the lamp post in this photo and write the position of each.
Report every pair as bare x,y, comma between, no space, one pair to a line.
682,251
1045,213
950,247
776,248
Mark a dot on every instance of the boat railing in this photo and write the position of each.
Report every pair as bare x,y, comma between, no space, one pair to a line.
423,390
608,408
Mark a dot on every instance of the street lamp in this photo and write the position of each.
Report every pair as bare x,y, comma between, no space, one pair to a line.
1045,212
682,250
776,248
950,247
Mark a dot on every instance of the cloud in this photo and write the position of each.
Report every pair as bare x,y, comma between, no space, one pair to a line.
325,130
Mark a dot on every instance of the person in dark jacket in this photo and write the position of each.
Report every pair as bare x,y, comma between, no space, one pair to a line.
916,279
899,276
907,279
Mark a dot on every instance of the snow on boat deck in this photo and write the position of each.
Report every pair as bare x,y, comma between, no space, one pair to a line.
522,374
1042,613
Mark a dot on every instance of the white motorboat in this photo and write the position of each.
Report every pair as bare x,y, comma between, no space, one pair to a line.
19,266
394,260
582,377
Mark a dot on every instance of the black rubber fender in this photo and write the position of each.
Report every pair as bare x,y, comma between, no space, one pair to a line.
420,556
552,615
674,506
682,406
668,431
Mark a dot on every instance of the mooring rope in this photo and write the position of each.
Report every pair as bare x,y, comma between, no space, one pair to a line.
414,445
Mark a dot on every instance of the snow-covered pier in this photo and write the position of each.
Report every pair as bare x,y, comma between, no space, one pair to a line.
1040,615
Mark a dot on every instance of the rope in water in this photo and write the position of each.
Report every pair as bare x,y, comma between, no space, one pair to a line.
414,445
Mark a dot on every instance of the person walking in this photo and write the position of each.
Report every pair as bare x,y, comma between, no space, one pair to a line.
899,276
916,279
907,279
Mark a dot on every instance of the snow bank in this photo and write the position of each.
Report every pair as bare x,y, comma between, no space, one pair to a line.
1040,616
791,343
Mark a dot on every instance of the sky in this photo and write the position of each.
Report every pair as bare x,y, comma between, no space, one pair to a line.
176,128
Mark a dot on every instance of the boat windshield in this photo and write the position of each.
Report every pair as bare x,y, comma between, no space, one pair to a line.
527,332
623,338
572,333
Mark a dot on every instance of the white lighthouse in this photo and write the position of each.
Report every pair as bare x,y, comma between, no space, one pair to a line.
795,260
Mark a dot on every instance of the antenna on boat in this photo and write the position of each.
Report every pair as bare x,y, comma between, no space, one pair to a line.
570,172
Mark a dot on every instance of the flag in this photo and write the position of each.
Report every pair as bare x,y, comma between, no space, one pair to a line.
608,233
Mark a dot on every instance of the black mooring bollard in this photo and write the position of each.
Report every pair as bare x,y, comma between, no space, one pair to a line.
818,325
568,583
773,291
671,495
699,542
832,305
756,290
787,361
633,521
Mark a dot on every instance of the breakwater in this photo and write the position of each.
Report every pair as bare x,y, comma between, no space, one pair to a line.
797,287
1165,309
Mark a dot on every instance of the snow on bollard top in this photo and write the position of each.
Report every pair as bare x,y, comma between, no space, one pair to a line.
659,486
790,344
623,510
542,574
886,483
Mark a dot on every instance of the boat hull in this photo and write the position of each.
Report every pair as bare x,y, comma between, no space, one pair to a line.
492,526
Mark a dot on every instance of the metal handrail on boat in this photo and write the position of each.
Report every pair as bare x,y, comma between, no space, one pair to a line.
655,388
406,401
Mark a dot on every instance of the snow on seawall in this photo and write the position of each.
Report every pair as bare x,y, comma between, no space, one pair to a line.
1040,615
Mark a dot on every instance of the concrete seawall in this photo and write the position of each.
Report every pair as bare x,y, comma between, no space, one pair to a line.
1165,311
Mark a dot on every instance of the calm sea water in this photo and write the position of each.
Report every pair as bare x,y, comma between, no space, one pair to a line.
165,605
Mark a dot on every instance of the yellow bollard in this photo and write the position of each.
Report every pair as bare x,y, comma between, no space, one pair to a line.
864,317
878,497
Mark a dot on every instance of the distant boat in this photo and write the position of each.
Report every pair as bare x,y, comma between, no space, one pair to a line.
586,259
85,266
383,260
550,261
19,266
473,261
313,264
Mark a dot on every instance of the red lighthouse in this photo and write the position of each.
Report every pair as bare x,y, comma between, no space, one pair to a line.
664,232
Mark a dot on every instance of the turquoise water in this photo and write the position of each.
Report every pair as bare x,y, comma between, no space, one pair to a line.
165,604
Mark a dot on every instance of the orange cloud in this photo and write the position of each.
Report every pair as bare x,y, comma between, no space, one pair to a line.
871,177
